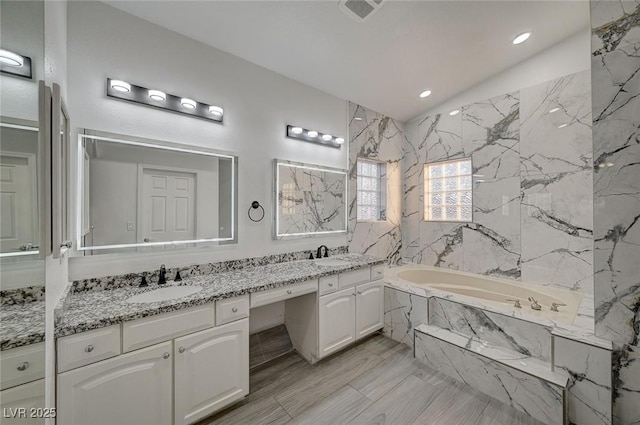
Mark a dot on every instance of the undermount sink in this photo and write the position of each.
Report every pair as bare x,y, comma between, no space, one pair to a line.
164,294
331,262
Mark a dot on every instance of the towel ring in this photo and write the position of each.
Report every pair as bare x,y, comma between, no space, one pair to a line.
254,206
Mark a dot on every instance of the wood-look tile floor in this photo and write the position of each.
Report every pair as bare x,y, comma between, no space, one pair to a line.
375,382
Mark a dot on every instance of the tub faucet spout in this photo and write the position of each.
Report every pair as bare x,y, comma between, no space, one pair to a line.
516,302
534,304
554,306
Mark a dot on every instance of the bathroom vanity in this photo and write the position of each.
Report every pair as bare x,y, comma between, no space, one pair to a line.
180,360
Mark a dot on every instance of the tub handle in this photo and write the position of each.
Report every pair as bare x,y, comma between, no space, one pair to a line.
516,302
554,306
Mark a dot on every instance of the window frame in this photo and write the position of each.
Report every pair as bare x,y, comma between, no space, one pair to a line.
382,193
426,180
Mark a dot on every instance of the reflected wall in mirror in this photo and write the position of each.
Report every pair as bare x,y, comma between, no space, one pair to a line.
146,195
309,200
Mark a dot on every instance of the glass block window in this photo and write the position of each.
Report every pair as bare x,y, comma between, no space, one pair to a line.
372,188
448,191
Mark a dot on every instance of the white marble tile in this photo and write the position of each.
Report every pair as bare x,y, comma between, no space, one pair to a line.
402,313
441,245
441,138
489,253
589,390
557,230
626,391
524,337
522,391
555,125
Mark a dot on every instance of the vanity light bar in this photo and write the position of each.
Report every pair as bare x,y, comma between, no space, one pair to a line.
313,136
123,90
15,64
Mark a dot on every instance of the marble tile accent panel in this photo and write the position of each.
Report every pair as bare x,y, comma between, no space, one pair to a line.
557,230
377,137
133,279
403,312
555,126
490,136
589,390
521,336
96,309
22,324
22,295
516,380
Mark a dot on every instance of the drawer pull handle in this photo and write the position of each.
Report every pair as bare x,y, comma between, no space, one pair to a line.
359,293
331,285
289,291
181,349
166,355
88,348
23,366
234,309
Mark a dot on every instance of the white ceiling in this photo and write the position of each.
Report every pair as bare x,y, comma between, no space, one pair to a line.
384,62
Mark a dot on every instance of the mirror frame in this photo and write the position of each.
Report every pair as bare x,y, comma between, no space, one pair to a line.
277,163
60,153
151,143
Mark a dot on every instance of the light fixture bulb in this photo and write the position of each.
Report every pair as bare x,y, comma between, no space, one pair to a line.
312,133
296,130
216,110
121,86
425,93
10,58
551,111
339,140
521,38
454,112
157,95
327,137
188,103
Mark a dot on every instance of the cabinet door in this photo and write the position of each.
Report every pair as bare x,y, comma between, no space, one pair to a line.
369,308
17,402
211,370
134,388
337,315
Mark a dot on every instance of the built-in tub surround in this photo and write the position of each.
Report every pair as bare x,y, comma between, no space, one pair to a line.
87,310
22,316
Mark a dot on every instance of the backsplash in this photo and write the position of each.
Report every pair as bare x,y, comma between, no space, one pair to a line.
132,279
532,186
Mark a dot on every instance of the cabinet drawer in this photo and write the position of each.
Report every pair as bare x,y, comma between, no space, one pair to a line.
232,309
377,272
21,365
353,278
328,284
88,347
286,292
163,327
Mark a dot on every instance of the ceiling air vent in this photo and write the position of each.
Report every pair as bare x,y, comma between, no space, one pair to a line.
360,9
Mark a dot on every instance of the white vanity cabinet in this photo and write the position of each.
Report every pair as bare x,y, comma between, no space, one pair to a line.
336,327
369,308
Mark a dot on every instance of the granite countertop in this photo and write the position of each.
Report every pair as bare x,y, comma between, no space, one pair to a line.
89,310
22,324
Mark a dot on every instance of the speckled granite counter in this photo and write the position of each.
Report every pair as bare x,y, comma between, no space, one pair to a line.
85,311
22,324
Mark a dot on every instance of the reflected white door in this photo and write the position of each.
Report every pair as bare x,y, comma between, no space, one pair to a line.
168,206
17,201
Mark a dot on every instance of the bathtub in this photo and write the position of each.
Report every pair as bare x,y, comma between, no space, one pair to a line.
487,291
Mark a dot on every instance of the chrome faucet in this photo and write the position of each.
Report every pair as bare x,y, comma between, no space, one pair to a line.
319,253
534,304
162,275
554,306
515,301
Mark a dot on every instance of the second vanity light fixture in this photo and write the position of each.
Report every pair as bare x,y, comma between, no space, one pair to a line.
15,64
314,136
123,90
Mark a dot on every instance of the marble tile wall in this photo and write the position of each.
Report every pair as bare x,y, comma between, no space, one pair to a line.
615,73
532,186
375,136
403,312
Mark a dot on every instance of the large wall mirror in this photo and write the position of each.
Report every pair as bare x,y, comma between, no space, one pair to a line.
310,200
138,195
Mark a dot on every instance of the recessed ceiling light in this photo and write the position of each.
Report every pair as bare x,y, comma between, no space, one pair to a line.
339,140
551,111
454,112
312,133
425,93
296,130
188,103
121,86
563,125
10,58
216,110
327,137
521,38
157,95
